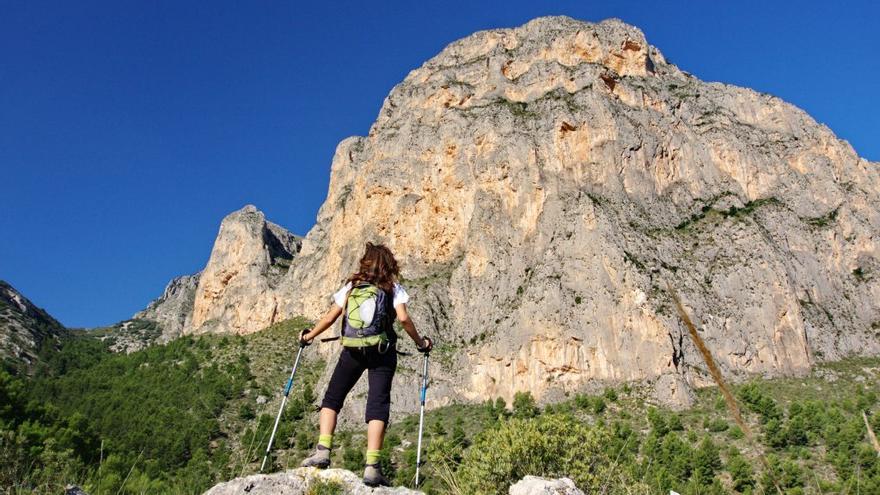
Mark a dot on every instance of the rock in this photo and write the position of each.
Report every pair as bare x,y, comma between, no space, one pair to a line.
262,399
24,328
673,391
173,310
74,490
236,291
132,335
542,185
302,481
534,485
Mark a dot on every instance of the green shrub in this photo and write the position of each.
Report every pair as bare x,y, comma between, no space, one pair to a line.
717,425
735,432
741,473
325,487
759,401
550,445
524,405
610,395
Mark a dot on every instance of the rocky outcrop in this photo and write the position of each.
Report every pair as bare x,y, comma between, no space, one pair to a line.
237,289
543,184
24,329
303,481
173,310
534,485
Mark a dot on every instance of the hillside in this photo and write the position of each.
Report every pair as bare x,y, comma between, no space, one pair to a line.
24,329
185,415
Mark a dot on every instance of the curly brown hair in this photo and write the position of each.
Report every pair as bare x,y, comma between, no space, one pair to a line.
378,267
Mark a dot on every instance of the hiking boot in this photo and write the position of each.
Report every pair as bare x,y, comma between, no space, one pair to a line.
373,476
320,459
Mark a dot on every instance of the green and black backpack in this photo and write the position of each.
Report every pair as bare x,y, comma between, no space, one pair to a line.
368,316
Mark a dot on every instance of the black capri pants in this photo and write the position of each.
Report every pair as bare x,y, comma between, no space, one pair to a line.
380,368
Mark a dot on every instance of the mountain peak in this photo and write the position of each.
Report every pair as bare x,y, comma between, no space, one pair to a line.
541,186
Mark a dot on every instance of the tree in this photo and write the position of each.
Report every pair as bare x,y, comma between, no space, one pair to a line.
524,405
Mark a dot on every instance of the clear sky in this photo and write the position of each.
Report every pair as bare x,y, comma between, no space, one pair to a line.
129,129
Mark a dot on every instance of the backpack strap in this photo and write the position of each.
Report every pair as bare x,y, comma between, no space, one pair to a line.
344,313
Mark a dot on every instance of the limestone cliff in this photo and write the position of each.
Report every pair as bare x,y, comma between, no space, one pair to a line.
173,310
237,289
541,186
24,329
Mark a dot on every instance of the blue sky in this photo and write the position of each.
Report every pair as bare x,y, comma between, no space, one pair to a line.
129,129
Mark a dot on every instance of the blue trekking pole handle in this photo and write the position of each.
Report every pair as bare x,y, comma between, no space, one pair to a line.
425,381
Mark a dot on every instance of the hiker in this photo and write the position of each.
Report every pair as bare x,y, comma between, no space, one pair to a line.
370,301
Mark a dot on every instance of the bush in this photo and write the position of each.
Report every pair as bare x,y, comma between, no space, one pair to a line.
524,405
741,473
717,425
735,433
326,487
759,401
610,395
550,445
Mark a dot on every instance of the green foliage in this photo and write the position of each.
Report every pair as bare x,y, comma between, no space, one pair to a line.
741,473
610,395
496,409
716,425
326,487
787,474
51,429
353,458
159,419
524,405
40,448
758,401
551,445
160,403
590,403
735,433
824,220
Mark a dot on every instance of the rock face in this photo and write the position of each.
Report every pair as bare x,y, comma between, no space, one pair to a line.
238,290
542,185
173,310
303,481
24,328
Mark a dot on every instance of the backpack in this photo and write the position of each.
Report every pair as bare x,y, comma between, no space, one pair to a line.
368,311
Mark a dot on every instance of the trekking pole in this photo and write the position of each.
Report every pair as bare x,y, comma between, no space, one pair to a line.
422,417
287,388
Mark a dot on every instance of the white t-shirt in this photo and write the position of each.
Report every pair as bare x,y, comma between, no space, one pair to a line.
400,295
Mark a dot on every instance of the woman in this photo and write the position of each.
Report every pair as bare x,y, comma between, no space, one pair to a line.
371,300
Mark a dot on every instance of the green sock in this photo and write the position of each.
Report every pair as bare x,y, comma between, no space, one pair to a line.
326,441
372,457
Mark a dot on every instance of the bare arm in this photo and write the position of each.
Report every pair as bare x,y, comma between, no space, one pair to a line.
325,323
410,327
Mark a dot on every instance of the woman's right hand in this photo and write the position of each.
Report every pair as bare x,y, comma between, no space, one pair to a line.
427,345
303,341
